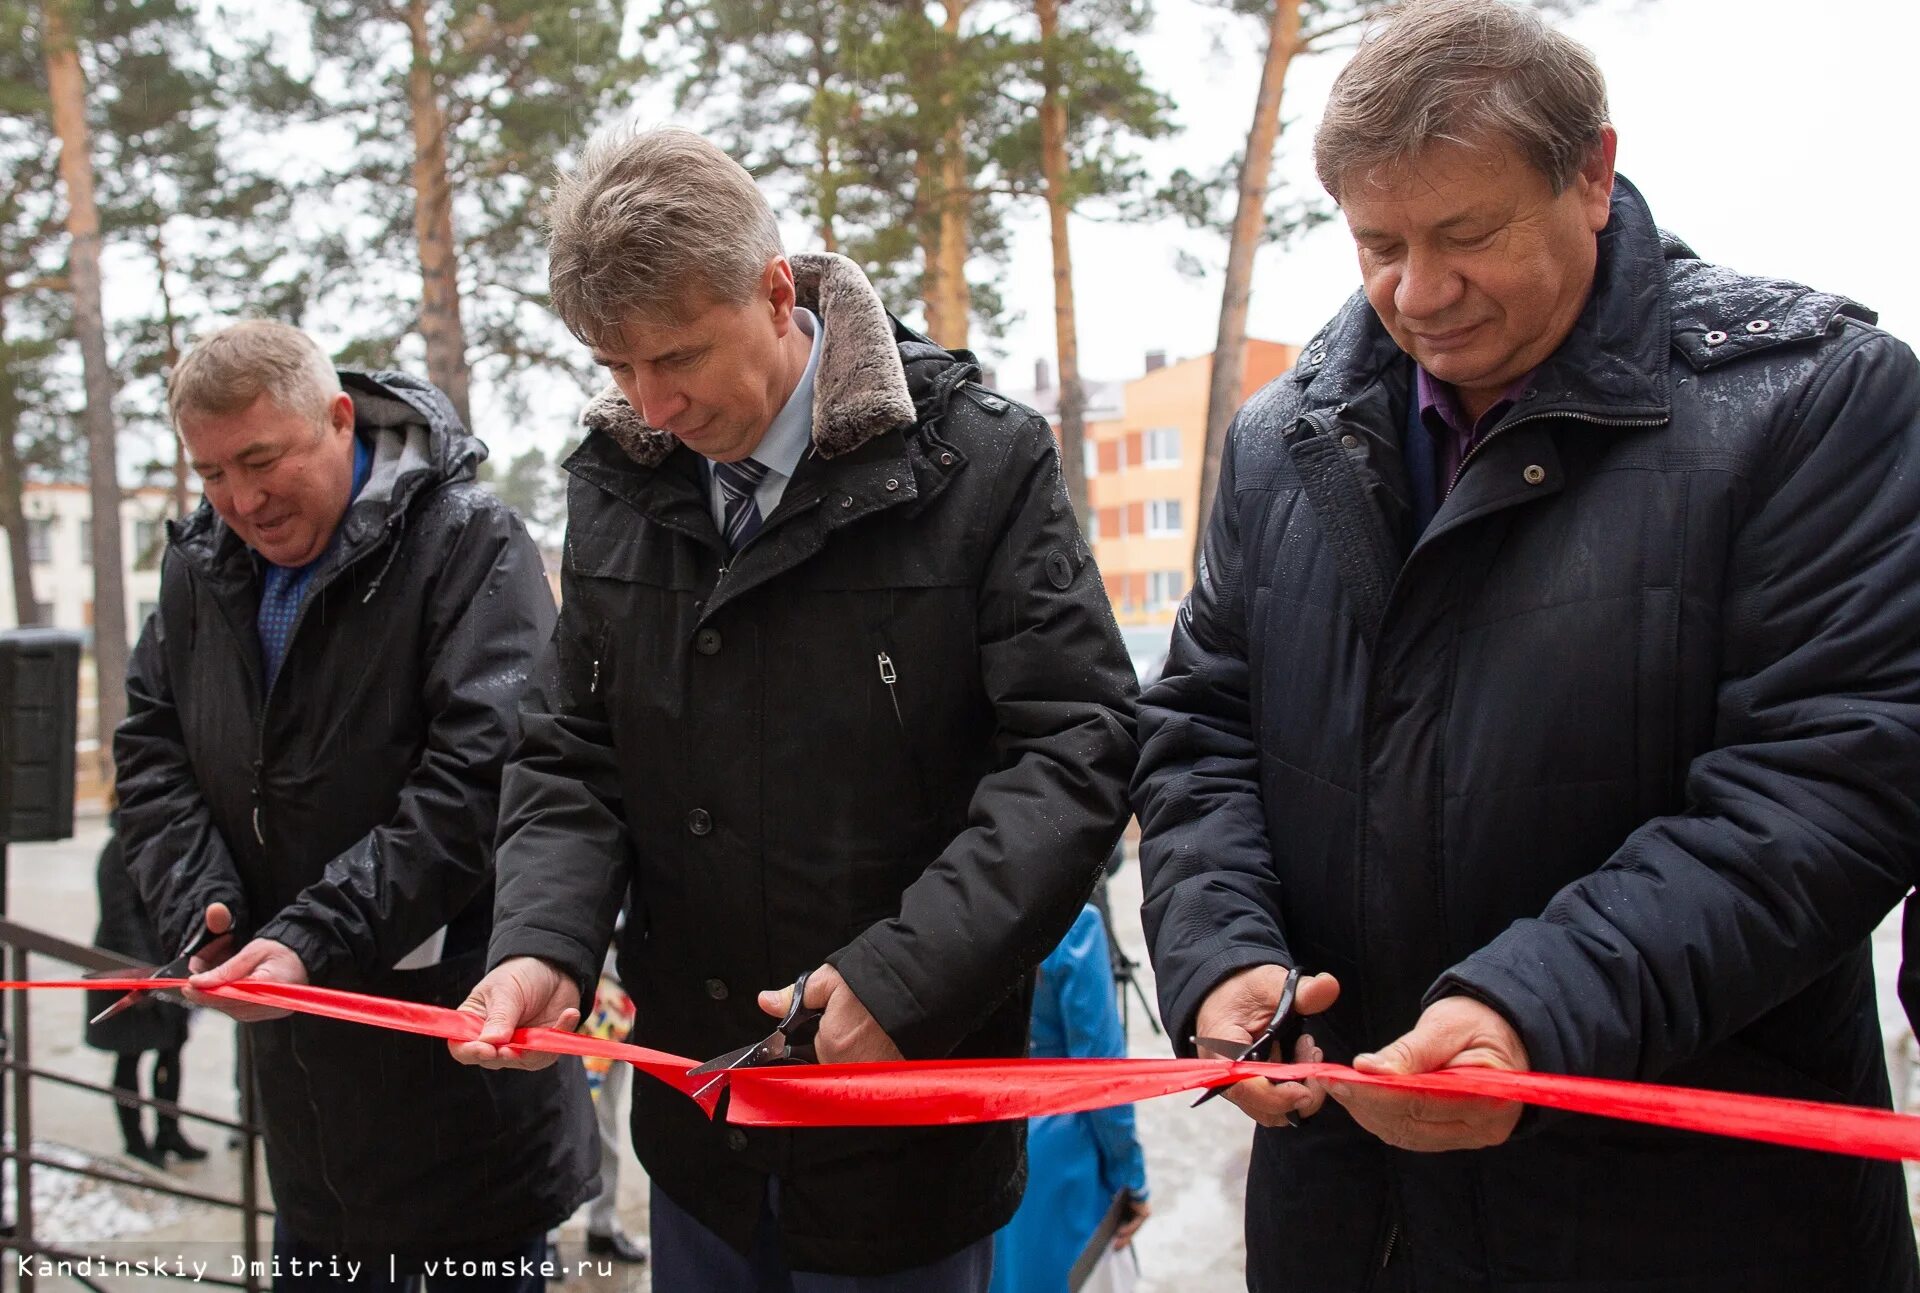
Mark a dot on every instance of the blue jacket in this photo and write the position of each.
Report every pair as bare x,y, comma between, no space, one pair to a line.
1076,1162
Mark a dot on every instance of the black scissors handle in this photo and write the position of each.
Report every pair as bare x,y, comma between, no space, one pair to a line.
179,967
1281,1034
801,1024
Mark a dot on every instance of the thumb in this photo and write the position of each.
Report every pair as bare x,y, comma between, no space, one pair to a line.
775,1001
219,919
237,966
1415,1052
501,1008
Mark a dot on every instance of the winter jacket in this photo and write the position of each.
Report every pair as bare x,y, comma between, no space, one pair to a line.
348,812
892,733
1623,745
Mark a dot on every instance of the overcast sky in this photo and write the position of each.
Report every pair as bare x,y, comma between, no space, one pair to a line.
1775,136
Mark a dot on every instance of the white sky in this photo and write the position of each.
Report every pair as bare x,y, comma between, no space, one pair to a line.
1768,133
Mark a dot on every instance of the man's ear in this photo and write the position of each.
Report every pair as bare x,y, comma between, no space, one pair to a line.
1595,179
340,412
776,283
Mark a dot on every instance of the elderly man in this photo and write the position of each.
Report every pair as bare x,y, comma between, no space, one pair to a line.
317,717
1551,689
835,689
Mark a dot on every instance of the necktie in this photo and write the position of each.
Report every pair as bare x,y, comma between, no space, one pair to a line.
740,511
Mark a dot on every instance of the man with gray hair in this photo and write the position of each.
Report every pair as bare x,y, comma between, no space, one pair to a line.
835,693
1551,693
317,715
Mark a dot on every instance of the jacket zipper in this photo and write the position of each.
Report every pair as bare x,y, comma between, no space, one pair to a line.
890,676
327,580
1386,1254
1542,416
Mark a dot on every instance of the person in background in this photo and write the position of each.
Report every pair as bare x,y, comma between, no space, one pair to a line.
1078,1164
152,1024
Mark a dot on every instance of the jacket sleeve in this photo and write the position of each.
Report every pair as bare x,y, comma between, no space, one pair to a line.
562,860
980,919
176,855
1210,900
1802,827
386,894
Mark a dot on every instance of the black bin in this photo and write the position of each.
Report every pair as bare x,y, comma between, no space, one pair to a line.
39,707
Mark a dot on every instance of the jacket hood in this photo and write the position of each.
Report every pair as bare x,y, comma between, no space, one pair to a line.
859,391
418,444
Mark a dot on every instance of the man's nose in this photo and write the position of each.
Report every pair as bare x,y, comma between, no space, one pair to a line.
1429,286
246,498
659,401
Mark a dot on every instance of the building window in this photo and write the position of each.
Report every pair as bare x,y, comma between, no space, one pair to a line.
1163,518
1163,447
1093,525
86,541
39,538
1164,588
1090,457
43,614
147,540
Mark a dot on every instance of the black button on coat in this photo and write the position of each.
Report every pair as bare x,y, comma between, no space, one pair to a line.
1624,745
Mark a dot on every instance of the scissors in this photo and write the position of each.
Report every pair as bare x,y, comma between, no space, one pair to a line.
178,968
796,1032
1281,1032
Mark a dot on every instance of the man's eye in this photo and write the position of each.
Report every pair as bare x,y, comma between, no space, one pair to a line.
212,477
1476,241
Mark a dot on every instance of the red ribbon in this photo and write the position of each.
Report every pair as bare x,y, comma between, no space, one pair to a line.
928,1092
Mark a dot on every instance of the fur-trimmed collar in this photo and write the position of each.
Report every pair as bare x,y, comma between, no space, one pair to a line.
859,390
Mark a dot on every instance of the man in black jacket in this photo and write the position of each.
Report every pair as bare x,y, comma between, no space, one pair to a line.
835,689
1552,689
317,716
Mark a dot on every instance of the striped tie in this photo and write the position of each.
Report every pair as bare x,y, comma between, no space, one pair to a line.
738,481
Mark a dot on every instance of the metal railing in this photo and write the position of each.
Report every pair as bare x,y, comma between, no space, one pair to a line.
19,942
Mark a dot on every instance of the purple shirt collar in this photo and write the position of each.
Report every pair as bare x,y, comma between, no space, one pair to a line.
1446,421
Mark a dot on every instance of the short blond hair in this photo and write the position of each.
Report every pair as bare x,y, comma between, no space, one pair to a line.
235,366
655,225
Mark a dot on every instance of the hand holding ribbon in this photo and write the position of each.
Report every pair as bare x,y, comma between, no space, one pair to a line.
1452,1033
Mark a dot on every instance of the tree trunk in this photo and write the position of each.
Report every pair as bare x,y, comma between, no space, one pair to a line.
827,185
168,321
440,325
1249,222
1053,163
949,299
13,512
66,85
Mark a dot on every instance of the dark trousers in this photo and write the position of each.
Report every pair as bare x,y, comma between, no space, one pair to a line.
303,1268
689,1258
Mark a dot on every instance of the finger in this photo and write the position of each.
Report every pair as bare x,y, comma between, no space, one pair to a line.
569,1020
237,966
1317,992
774,1001
1414,1052
503,1011
210,955
1268,1103
822,985
219,919
1305,1051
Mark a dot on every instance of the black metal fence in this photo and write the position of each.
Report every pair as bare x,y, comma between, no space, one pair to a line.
20,943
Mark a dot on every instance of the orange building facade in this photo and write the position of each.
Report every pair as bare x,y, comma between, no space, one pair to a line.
1143,480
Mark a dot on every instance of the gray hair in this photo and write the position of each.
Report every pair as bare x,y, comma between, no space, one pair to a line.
654,224
227,371
1468,72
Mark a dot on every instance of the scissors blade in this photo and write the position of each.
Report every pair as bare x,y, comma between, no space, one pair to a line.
735,1058
1226,1050
180,967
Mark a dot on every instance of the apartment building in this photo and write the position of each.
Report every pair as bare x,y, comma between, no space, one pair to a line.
60,543
1143,479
